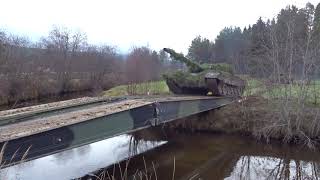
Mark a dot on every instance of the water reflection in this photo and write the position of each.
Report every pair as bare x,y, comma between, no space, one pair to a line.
210,157
252,167
79,161
66,156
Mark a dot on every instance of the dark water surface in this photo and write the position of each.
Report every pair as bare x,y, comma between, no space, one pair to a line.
193,156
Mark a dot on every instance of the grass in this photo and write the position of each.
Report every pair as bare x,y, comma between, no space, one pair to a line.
310,92
255,87
259,87
147,88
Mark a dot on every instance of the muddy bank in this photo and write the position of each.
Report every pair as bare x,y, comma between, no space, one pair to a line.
260,118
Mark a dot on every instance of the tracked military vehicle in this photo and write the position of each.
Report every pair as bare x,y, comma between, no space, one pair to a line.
202,79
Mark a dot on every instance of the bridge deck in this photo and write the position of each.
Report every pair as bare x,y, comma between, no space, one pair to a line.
34,126
45,135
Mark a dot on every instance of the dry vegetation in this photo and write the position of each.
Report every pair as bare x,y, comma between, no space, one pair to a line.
265,119
63,62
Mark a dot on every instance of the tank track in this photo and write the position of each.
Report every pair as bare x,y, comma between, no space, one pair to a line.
230,90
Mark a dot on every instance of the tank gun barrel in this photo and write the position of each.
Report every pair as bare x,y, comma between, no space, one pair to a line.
192,66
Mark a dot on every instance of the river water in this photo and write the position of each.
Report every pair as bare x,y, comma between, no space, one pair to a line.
174,156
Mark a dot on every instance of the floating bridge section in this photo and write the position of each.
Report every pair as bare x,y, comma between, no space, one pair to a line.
43,130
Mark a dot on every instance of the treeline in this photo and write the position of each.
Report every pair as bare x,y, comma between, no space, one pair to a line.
285,46
63,62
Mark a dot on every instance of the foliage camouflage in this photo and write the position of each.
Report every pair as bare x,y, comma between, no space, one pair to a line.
203,78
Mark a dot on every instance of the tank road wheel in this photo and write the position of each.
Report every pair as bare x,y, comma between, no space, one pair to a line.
225,90
233,91
238,92
220,89
228,90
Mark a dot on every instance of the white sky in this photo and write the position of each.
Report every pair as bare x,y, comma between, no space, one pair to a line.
124,23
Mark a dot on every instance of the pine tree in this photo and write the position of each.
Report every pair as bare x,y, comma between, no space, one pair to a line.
200,50
316,21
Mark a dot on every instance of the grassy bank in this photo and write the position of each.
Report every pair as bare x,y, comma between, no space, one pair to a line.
308,93
255,87
147,88
161,88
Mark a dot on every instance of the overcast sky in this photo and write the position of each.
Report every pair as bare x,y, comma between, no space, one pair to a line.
124,23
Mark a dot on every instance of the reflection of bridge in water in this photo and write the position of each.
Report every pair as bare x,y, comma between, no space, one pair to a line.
40,132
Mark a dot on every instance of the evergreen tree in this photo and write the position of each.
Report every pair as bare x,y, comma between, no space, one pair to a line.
316,22
229,43
200,50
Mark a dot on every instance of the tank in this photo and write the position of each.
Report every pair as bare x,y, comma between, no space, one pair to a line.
200,79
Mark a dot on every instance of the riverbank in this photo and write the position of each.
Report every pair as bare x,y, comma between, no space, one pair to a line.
261,118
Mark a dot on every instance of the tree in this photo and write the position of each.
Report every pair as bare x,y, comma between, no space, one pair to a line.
200,50
316,22
2,47
142,65
259,48
229,47
316,33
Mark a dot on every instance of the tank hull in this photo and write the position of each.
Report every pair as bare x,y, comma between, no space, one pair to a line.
175,88
201,84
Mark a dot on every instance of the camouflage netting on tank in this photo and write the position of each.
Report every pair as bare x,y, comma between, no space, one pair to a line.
223,67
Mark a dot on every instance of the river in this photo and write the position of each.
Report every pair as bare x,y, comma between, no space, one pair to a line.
172,155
